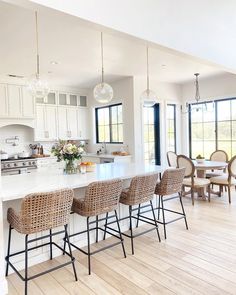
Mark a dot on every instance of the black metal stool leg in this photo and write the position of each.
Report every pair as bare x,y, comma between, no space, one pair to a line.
181,203
50,232
163,216
159,205
70,251
131,230
138,215
64,246
8,248
122,241
26,264
89,256
154,218
104,235
96,228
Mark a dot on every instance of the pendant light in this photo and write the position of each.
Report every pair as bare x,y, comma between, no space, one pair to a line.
148,97
103,92
196,106
37,87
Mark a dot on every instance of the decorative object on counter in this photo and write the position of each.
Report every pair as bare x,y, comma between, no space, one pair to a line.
103,92
120,153
200,159
148,97
87,166
68,152
24,154
37,87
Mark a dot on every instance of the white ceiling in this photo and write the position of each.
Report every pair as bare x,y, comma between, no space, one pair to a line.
76,47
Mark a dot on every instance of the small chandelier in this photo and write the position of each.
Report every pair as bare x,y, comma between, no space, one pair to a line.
36,86
148,97
197,106
103,92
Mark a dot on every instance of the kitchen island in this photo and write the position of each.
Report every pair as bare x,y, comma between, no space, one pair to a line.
15,187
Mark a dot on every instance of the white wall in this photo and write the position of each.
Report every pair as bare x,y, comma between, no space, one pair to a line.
123,93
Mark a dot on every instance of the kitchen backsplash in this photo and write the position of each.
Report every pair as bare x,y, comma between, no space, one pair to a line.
22,136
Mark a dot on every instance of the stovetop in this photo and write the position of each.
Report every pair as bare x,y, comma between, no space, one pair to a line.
18,159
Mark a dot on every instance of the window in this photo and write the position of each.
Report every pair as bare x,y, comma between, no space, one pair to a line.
151,135
213,129
171,127
109,124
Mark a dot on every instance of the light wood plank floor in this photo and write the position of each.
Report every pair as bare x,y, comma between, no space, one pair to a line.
201,260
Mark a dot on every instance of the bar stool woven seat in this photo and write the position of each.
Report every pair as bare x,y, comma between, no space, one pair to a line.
101,197
40,212
140,191
170,184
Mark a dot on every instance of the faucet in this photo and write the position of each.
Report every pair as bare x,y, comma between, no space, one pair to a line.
104,147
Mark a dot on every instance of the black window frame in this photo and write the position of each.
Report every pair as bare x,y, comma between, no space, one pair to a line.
216,122
173,105
110,123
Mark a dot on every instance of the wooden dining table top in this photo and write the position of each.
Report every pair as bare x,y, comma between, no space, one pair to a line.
208,165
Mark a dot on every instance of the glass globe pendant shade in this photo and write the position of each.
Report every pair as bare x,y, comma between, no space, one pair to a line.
103,92
37,87
148,98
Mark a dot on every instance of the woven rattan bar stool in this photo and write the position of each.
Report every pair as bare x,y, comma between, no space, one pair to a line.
101,197
141,190
170,184
40,212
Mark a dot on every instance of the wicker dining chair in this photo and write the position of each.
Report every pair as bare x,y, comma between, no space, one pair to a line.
170,184
172,159
101,197
218,156
40,212
141,190
227,179
194,183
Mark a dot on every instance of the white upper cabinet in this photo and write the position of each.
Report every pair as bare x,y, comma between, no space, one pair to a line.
46,123
62,123
28,105
82,123
3,101
67,123
16,102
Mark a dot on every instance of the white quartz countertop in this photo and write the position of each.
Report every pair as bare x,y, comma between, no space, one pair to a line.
110,156
17,186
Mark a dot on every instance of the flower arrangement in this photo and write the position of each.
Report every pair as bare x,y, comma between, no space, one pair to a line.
69,152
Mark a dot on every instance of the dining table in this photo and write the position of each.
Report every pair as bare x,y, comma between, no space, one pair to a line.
202,167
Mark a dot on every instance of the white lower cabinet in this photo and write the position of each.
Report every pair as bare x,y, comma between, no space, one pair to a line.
46,123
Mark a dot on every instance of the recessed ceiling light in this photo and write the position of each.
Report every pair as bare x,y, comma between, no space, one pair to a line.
163,65
53,62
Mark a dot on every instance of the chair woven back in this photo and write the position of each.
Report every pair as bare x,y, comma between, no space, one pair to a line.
102,196
172,159
185,162
171,182
142,188
232,167
219,156
43,211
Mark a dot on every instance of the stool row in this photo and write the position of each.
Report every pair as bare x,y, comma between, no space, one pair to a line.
46,211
